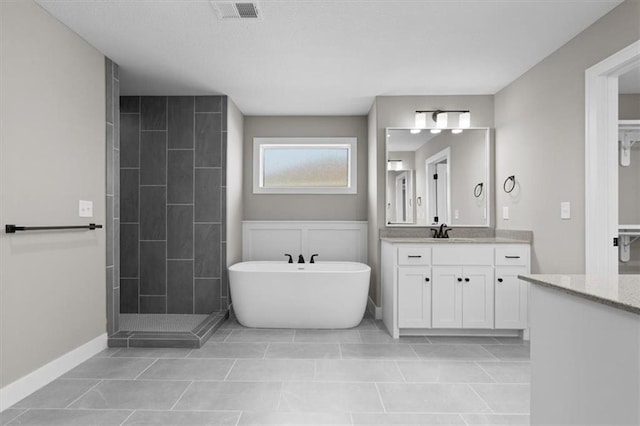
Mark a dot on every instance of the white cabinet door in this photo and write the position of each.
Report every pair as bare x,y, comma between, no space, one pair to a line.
511,298
446,295
477,297
414,297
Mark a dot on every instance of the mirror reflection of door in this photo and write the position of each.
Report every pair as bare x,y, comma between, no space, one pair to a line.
404,197
629,172
438,187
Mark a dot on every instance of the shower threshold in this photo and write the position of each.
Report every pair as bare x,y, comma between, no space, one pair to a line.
165,330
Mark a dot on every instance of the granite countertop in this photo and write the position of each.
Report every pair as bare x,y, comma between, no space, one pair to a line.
454,240
618,291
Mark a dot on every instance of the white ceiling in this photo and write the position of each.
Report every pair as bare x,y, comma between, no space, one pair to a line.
325,57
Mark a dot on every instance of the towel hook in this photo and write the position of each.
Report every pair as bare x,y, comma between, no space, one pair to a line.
509,184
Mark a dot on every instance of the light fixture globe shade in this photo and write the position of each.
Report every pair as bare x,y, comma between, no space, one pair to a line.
456,131
465,120
421,120
441,120
435,131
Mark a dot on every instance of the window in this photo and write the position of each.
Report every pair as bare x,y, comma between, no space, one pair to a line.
304,166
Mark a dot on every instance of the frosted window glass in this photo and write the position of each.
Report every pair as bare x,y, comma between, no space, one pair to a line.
305,167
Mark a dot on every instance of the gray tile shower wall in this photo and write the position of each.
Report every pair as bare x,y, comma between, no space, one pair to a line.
112,190
172,204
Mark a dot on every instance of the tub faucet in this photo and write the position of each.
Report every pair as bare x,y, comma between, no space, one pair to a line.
300,259
312,256
290,258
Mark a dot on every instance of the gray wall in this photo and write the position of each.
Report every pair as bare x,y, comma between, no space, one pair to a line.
112,215
235,132
540,137
52,284
305,207
629,107
399,111
173,191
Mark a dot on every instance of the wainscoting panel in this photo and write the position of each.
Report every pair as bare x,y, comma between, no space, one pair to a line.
331,240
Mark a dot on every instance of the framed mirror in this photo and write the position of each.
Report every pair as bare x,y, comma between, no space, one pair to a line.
438,178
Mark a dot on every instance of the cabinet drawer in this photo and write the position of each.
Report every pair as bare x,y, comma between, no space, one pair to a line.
414,255
457,254
512,256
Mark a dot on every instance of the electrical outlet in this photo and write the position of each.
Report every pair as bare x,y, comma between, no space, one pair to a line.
85,208
505,212
565,210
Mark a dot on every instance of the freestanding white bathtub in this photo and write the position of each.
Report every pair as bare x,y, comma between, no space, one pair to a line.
294,295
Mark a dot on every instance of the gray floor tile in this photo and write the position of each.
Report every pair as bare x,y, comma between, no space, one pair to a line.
109,368
258,396
443,372
496,419
462,340
509,352
377,351
209,418
327,336
330,397
303,351
152,353
57,394
381,336
407,419
230,350
367,324
106,353
261,335
505,398
220,335
132,394
232,323
188,369
512,341
279,418
9,414
453,352
508,372
340,370
431,398
71,417
272,370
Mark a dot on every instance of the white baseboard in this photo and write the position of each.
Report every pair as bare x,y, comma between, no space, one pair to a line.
375,310
44,375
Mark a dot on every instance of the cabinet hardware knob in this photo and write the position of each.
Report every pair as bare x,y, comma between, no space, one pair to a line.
426,279
459,280
466,280
500,280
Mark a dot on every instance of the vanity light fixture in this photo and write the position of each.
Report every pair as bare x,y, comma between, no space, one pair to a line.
441,118
456,131
436,131
394,165
415,131
464,121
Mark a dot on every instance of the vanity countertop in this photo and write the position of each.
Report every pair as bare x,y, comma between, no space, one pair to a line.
618,291
454,240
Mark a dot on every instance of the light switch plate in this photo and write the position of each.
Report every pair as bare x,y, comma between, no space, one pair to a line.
505,212
565,210
456,213
85,208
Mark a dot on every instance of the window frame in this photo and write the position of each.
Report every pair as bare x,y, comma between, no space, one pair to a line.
260,143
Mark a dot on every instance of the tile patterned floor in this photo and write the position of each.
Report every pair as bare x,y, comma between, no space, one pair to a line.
246,376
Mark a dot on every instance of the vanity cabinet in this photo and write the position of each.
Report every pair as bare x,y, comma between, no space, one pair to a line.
454,288
462,297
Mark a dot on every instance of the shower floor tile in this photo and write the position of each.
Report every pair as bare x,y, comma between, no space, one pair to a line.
160,322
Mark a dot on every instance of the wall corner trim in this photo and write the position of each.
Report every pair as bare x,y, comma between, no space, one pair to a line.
376,311
44,375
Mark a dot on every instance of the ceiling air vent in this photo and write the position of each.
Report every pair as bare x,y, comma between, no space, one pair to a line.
236,11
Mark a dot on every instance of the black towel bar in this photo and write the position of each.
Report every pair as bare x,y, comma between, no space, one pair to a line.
11,229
